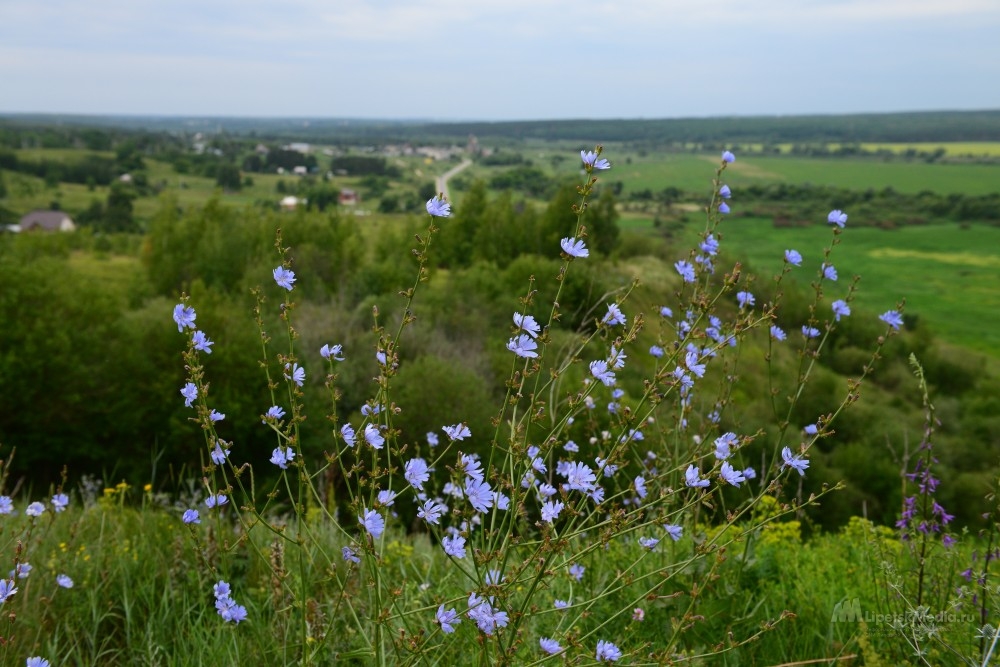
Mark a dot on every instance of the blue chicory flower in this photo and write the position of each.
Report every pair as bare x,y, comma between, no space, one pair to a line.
184,317
281,457
190,393
438,207
447,619
373,522
794,461
685,270
416,473
523,346
840,309
201,342
284,277
608,652
591,161
574,247
892,318
550,646
335,352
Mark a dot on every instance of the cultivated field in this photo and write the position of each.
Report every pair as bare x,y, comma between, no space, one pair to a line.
687,172
946,273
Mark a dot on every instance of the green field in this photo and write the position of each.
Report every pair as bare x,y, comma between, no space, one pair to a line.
951,149
988,149
869,173
67,155
948,275
693,173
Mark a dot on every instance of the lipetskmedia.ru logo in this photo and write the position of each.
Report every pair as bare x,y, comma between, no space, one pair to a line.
850,611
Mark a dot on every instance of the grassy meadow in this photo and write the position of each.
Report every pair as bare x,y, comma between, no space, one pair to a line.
141,594
946,273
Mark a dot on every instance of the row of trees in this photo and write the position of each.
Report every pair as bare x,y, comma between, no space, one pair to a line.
90,169
720,133
884,206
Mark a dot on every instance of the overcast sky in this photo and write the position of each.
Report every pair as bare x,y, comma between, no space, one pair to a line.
498,59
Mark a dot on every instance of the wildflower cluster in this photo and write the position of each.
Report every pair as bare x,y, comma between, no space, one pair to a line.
517,514
19,529
924,593
922,514
226,606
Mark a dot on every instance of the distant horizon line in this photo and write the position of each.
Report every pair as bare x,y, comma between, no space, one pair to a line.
459,121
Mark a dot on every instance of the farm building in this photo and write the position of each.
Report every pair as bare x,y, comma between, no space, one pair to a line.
290,203
49,221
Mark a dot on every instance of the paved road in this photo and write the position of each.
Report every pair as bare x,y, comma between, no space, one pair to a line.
441,184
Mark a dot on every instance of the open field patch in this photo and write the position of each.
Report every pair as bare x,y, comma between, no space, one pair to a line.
956,258
951,149
947,275
657,171
871,174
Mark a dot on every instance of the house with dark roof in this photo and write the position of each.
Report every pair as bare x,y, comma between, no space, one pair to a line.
49,221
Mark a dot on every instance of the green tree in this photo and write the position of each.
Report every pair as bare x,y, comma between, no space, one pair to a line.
55,367
376,186
434,390
128,157
559,219
601,220
227,177
92,215
253,163
388,204
427,191
321,196
457,238
118,212
503,234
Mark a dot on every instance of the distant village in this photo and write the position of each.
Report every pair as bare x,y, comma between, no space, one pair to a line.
59,221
